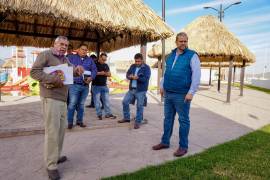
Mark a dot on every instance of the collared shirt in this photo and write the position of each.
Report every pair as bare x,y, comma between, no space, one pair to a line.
134,82
196,74
87,63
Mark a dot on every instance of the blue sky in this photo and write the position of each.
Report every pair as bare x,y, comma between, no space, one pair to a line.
249,21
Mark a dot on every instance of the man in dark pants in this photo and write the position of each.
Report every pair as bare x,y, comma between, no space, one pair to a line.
180,82
100,88
139,75
92,104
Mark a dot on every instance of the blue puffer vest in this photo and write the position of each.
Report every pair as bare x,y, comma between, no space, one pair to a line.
178,78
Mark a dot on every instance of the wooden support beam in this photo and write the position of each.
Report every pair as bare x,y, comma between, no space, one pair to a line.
159,74
242,76
210,76
98,49
45,26
3,17
229,87
163,56
234,69
143,48
219,75
108,37
98,44
6,31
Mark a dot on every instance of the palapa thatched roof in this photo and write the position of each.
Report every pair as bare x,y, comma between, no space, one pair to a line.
113,23
211,40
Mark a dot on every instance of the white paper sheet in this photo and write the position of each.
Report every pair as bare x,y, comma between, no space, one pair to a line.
67,70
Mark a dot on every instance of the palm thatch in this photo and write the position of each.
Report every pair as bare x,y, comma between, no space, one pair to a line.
113,24
212,41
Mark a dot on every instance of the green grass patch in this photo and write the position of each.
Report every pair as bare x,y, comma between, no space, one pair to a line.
254,88
245,158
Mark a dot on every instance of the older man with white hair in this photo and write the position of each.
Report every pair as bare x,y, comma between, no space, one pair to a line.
53,94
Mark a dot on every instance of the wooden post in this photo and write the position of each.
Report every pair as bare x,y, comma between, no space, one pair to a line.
210,76
159,74
234,69
163,56
98,50
229,87
143,48
219,69
242,75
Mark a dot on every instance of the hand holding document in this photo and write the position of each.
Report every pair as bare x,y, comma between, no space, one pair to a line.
64,71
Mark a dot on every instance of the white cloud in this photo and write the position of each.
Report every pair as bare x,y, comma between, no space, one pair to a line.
256,36
198,7
249,21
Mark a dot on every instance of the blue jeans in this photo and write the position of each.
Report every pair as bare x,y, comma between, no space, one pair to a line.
139,96
76,96
174,103
103,93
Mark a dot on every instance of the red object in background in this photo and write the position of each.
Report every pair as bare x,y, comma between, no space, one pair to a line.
22,71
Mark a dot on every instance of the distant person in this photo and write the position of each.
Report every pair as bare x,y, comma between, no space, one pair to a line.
139,74
180,82
53,95
78,91
100,88
92,104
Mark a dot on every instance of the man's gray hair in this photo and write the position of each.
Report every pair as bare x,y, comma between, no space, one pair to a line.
61,38
181,34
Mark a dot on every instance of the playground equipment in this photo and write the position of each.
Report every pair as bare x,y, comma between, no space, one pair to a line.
3,80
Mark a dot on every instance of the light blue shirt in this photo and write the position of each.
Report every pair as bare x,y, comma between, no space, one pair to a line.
196,74
134,82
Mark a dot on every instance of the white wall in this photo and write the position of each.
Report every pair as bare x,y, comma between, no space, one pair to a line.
261,83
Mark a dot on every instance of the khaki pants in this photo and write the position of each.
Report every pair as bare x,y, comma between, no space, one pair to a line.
54,113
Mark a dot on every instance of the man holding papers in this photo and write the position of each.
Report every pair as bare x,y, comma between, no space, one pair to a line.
53,94
78,91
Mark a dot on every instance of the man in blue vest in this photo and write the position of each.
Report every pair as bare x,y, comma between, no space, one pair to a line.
139,75
178,86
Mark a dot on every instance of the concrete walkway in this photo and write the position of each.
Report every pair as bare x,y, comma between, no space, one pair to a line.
105,152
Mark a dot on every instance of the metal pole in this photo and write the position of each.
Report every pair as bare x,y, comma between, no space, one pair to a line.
242,78
229,81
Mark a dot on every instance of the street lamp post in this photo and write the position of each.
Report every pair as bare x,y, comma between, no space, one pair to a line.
221,11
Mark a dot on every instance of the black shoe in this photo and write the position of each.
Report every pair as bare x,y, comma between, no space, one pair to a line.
110,116
81,124
100,117
90,106
70,126
62,159
136,126
124,121
53,174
